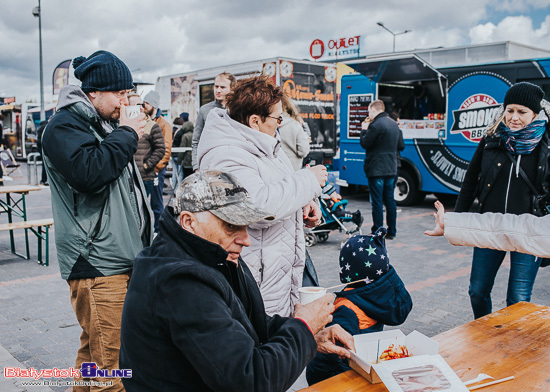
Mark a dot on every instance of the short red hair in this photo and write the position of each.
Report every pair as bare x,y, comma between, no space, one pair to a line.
256,95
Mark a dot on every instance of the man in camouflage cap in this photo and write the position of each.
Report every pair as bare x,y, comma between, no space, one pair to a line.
194,307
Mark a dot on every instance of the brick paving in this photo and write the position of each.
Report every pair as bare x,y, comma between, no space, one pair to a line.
38,328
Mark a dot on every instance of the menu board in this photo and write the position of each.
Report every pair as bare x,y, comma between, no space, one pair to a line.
422,129
358,110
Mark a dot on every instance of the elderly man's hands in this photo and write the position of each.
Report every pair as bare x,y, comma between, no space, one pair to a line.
316,314
328,337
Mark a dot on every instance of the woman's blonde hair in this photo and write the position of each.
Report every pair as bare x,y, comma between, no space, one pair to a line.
290,108
493,128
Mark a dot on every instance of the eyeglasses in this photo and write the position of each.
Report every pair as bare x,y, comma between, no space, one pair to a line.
279,119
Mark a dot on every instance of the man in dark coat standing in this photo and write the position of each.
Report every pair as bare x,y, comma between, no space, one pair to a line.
381,138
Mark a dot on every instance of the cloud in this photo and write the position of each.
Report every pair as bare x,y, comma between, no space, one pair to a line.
520,5
513,28
174,36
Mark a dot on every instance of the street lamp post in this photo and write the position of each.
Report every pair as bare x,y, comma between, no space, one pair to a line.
38,14
392,33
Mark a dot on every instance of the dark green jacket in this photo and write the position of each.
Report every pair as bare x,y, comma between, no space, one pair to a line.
96,199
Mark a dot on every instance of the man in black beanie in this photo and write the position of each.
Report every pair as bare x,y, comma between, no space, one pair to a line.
101,215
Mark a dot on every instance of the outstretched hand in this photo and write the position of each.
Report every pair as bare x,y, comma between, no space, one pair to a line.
439,228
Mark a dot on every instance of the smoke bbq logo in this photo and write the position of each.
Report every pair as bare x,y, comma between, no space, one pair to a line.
473,116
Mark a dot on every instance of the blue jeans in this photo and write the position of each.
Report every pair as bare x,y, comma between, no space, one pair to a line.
485,265
157,203
148,187
177,173
381,194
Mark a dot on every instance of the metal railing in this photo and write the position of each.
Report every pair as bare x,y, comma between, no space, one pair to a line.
33,159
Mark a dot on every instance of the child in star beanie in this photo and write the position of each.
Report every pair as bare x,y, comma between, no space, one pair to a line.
375,296
364,257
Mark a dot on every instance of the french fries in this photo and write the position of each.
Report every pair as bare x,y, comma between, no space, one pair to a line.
394,352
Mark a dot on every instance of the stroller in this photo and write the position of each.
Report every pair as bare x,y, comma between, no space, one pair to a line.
335,217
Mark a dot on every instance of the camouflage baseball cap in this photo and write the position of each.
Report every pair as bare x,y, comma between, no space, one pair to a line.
221,194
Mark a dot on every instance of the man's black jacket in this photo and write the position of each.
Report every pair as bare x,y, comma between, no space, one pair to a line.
193,321
382,141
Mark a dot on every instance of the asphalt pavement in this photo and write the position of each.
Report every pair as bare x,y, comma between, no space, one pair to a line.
38,328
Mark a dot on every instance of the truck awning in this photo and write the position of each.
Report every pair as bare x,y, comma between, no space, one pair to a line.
395,69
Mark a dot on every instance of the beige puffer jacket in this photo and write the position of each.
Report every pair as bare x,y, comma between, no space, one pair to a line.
277,254
524,233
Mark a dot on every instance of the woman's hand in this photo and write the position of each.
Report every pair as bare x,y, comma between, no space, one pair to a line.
439,228
312,214
320,172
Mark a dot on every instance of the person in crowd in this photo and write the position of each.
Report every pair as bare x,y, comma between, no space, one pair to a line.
375,295
422,103
176,127
102,218
509,160
243,140
382,139
151,104
294,140
194,320
177,174
394,115
150,147
1,129
186,141
39,132
223,83
525,233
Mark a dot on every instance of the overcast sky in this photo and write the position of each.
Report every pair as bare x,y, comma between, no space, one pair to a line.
163,37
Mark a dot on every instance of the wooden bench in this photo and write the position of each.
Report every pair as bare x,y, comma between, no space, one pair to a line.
36,226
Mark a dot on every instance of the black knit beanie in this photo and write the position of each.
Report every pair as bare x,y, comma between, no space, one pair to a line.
102,71
525,94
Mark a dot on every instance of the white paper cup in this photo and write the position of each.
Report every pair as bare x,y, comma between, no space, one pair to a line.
133,111
310,294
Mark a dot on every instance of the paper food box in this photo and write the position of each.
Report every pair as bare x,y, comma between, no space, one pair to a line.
423,368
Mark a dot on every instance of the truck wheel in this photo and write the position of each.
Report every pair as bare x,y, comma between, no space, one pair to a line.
406,191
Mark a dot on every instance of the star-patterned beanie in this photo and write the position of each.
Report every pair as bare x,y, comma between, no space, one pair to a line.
364,257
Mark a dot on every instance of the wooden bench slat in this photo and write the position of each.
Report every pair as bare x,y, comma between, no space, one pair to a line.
26,224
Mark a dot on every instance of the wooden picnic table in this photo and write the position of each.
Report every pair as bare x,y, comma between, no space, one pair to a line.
15,205
514,341
15,199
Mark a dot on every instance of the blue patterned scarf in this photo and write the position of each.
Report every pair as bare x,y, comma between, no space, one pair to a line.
524,140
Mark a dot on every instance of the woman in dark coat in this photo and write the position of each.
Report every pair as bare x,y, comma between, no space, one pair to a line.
513,153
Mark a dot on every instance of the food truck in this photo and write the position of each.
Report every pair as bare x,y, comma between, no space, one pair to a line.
20,124
312,86
443,100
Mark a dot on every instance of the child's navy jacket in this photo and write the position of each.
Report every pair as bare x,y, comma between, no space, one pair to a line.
362,310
